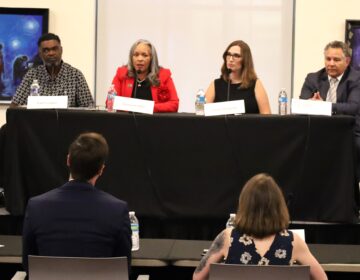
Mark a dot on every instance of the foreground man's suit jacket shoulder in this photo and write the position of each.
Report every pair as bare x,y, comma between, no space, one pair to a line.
347,93
78,220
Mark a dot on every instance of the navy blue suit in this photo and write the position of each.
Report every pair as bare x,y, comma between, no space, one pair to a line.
347,94
77,220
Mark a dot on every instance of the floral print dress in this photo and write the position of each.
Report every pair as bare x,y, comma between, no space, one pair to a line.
243,251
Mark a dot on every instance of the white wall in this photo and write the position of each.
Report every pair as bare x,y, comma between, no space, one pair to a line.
190,37
317,23
74,22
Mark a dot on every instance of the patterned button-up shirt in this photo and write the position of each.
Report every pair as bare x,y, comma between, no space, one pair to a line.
69,81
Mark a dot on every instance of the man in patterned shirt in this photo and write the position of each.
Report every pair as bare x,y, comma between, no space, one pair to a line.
55,77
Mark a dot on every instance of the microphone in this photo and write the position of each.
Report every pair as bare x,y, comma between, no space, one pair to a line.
289,200
290,197
137,72
228,85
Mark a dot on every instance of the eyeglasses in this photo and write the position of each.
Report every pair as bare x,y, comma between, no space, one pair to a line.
233,55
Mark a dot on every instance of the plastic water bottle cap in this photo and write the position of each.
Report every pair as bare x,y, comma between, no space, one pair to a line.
132,212
232,215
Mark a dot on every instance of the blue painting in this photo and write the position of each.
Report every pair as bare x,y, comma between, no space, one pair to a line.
18,49
352,38
355,61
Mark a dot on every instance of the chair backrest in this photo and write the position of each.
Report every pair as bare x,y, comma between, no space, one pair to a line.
259,272
56,268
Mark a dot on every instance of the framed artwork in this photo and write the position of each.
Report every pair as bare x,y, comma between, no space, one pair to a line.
20,30
352,38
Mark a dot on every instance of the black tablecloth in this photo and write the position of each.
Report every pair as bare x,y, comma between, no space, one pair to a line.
173,168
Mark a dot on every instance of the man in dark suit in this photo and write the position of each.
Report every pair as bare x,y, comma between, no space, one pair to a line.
77,219
337,83
340,84
317,85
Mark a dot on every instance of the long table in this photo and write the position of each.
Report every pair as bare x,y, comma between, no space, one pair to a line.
182,173
166,252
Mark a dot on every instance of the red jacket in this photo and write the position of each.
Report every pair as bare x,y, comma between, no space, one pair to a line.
164,95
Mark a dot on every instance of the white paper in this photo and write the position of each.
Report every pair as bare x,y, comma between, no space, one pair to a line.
224,108
300,232
311,107
47,102
134,105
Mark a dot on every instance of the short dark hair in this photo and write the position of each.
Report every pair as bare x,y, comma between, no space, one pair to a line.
339,45
262,210
48,37
87,154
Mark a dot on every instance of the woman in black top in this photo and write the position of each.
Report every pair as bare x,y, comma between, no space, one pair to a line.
260,235
238,74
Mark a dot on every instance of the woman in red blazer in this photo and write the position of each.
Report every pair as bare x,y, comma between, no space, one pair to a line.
143,78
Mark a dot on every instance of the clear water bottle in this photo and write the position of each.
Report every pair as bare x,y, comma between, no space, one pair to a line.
34,88
110,98
135,231
200,102
231,221
283,102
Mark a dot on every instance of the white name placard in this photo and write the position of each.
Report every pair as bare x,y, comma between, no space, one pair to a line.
224,108
47,102
310,107
133,105
300,232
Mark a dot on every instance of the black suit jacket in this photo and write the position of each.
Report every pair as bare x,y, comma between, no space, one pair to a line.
76,220
347,93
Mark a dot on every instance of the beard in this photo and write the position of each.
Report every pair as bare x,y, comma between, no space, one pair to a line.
52,63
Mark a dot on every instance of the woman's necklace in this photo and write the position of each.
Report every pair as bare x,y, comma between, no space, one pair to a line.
235,79
139,82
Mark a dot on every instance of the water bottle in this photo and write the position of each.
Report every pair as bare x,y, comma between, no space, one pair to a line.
34,88
200,102
110,98
135,231
231,221
283,101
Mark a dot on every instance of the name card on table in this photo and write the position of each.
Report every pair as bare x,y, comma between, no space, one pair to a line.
225,108
300,232
47,102
311,107
134,105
